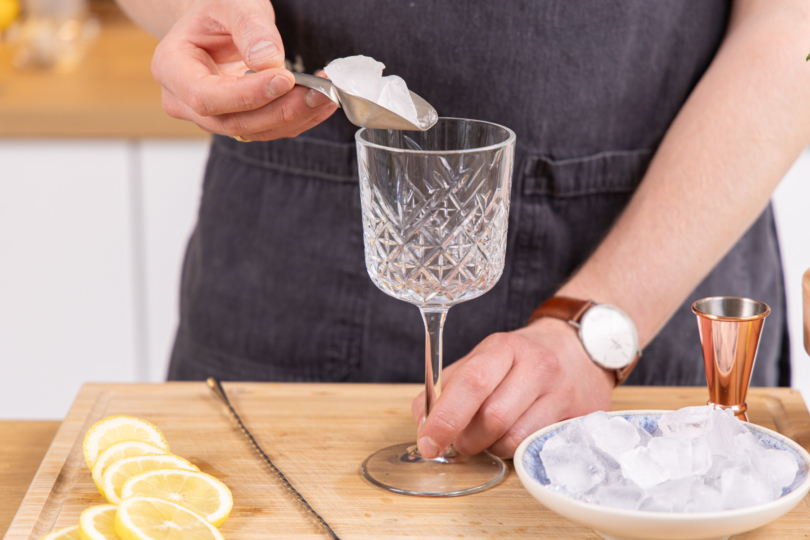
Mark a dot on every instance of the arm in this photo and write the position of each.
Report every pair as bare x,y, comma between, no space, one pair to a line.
738,133
206,47
743,126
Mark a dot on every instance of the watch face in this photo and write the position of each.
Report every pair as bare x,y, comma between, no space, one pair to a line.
609,336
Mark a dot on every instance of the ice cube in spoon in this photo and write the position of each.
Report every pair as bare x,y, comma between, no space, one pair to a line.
358,75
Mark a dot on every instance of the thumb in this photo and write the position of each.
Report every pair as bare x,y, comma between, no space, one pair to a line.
254,33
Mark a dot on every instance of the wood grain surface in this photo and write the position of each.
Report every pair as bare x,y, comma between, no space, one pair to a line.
110,94
22,447
318,435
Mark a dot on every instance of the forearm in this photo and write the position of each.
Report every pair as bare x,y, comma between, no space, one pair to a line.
713,174
155,16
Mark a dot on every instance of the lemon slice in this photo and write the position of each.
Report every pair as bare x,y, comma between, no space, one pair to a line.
147,518
122,450
98,523
197,491
113,429
113,478
68,533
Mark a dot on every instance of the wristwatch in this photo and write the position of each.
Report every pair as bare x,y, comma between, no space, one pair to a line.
606,332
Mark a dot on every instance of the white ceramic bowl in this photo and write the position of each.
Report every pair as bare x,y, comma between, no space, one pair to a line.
619,524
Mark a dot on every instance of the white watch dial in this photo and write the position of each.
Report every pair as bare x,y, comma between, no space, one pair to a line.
609,336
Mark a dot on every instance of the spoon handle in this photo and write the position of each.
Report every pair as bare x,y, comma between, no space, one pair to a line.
320,84
217,388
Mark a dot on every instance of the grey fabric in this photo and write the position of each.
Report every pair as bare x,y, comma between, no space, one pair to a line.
274,282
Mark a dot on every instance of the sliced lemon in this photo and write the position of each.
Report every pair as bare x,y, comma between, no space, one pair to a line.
67,533
98,523
113,478
147,518
121,450
197,491
113,429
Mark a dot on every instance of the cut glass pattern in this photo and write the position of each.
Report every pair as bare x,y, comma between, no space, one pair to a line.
435,224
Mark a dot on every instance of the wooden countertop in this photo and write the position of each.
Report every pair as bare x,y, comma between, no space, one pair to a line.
22,447
111,94
317,434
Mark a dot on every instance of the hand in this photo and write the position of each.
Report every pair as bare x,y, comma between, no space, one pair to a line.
508,387
200,65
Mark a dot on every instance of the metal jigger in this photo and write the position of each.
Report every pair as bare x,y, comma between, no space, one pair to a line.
730,329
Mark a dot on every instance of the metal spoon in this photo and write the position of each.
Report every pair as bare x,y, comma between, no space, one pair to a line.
364,113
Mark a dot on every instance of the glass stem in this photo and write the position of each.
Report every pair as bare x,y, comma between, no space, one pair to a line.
434,324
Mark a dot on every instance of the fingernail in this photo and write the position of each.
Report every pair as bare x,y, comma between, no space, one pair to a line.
315,99
279,85
262,51
428,448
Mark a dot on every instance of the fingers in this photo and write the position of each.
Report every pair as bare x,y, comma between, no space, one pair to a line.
285,117
188,73
547,410
464,393
517,392
252,25
418,404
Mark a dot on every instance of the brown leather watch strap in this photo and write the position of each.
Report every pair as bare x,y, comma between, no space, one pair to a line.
571,310
623,373
562,307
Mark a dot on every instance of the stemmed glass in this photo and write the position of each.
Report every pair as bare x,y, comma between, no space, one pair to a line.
435,211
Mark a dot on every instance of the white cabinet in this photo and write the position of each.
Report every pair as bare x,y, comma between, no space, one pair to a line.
66,266
92,236
171,175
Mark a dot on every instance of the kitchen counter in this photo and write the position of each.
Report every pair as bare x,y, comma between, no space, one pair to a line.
318,434
22,447
111,94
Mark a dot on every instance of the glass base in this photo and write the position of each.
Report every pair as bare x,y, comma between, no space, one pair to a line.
401,469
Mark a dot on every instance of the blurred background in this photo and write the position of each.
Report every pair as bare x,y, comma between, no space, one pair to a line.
98,194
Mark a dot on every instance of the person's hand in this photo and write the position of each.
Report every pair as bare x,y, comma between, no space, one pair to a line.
508,387
200,66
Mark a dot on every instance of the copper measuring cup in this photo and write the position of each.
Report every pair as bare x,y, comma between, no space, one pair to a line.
730,329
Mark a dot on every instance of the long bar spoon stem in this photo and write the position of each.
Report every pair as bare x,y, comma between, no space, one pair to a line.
217,388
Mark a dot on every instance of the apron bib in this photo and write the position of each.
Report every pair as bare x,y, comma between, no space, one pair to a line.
274,284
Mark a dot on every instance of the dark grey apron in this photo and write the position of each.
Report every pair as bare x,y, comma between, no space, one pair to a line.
274,285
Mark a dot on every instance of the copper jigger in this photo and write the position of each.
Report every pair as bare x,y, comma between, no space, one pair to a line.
730,328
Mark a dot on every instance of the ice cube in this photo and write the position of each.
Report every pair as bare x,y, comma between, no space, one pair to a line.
686,423
644,435
554,441
574,432
395,97
725,426
640,466
674,454
673,495
357,75
704,499
593,421
615,436
701,455
573,467
742,486
780,468
625,495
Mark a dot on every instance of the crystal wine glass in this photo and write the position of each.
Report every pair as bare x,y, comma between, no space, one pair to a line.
435,211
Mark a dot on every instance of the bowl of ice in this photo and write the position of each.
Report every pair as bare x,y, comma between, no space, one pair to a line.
696,473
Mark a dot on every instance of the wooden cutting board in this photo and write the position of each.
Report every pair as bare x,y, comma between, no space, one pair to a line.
318,434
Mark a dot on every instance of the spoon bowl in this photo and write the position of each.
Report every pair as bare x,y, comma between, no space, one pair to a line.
364,113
